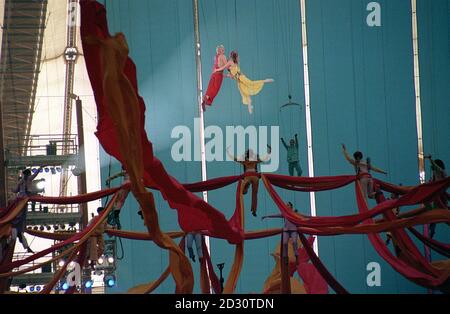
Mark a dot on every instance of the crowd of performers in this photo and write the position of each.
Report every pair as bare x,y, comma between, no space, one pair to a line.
250,163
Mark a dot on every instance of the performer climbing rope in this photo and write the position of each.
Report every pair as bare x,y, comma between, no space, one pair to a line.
362,169
246,86
215,82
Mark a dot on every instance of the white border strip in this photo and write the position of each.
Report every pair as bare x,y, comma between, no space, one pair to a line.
198,59
308,111
417,91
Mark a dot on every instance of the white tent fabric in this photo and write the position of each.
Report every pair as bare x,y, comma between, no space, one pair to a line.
49,110
48,117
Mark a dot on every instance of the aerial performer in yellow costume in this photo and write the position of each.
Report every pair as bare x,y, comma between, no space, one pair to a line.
246,86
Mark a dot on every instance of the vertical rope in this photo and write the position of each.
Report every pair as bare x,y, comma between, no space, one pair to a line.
327,127
354,74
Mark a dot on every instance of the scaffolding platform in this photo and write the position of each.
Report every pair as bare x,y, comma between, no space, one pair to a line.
51,161
40,218
48,150
32,279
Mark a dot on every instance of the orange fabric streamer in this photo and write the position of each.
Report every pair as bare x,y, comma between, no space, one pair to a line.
69,250
59,274
123,108
272,285
149,287
236,268
14,212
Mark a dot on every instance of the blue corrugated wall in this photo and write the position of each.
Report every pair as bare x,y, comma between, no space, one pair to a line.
362,94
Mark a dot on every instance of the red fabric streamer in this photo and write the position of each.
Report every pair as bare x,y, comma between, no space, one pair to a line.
193,213
74,238
81,260
212,184
312,279
215,282
307,184
417,195
441,248
326,275
399,265
83,198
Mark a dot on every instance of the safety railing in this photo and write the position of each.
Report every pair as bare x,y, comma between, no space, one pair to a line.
44,145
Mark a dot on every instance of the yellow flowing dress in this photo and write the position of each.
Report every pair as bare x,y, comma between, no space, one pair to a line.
246,86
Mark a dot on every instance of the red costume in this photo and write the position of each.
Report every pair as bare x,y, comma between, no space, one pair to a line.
214,85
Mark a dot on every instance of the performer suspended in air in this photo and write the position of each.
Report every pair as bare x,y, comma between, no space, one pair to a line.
96,242
292,156
250,163
396,212
190,238
246,86
215,82
362,169
114,216
289,232
23,189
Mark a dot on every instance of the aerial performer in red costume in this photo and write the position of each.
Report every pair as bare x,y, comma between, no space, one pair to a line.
246,86
215,82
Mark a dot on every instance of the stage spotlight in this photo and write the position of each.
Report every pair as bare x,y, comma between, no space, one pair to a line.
63,226
72,264
53,170
40,185
88,284
100,260
48,228
55,227
61,263
35,228
65,286
110,280
38,288
41,228
32,289
110,259
77,171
